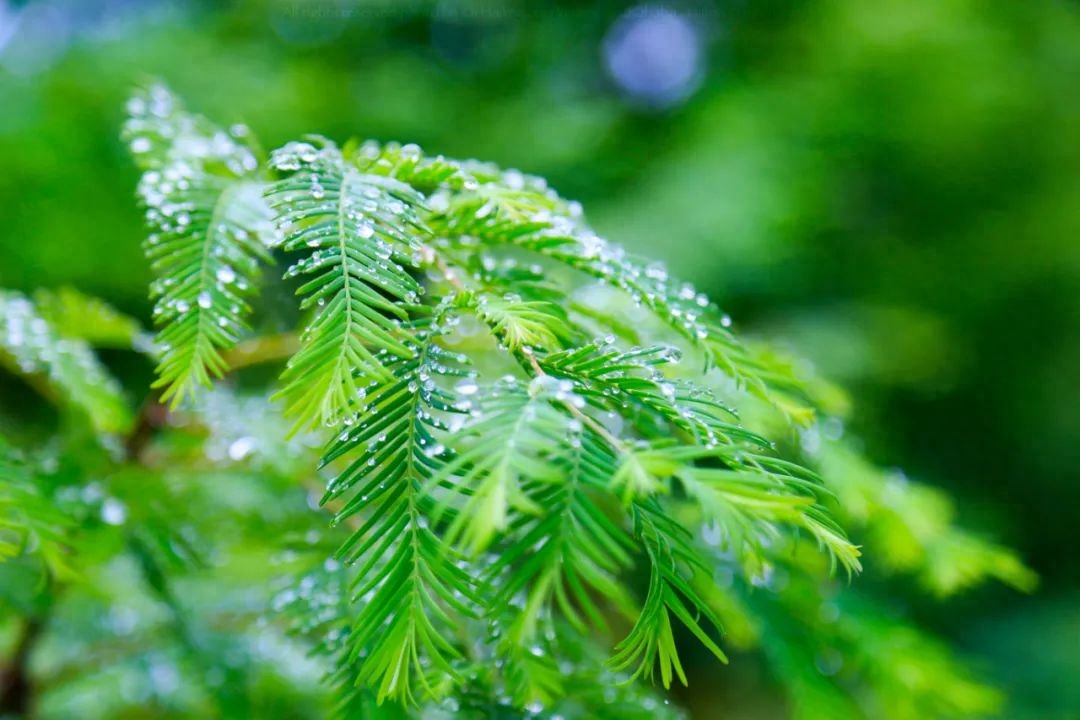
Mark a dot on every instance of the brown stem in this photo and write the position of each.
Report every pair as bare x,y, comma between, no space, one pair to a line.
16,686
154,414
151,416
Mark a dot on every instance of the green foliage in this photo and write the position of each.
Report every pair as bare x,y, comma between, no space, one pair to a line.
445,463
210,226
549,465
28,522
80,316
352,229
673,562
63,368
406,577
910,527
908,675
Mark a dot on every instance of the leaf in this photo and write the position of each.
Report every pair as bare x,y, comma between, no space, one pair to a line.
64,369
673,563
408,164
568,555
210,229
524,324
509,444
75,315
409,581
29,521
356,233
618,380
512,208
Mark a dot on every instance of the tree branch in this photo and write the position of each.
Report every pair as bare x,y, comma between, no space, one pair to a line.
16,687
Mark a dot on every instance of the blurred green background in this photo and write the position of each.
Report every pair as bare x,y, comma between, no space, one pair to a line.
890,189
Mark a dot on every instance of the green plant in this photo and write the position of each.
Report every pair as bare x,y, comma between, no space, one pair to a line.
547,463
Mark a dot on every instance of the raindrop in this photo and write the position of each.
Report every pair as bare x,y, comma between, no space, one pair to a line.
467,387
241,448
113,511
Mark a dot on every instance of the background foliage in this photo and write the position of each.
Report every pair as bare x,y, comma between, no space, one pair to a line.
893,189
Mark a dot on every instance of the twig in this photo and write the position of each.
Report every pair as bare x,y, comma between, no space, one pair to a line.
585,418
16,686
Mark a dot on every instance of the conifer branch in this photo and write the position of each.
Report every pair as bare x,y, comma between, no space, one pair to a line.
504,450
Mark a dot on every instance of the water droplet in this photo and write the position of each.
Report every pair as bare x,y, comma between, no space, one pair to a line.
241,448
467,386
113,511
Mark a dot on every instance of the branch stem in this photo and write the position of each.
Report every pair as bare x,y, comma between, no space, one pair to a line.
16,686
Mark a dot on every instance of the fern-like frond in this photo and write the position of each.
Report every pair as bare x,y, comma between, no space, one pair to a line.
408,164
76,315
408,581
746,508
355,232
512,209
748,499
522,323
29,521
511,441
499,207
210,228
911,527
618,380
673,565
677,305
491,506
569,556
64,369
